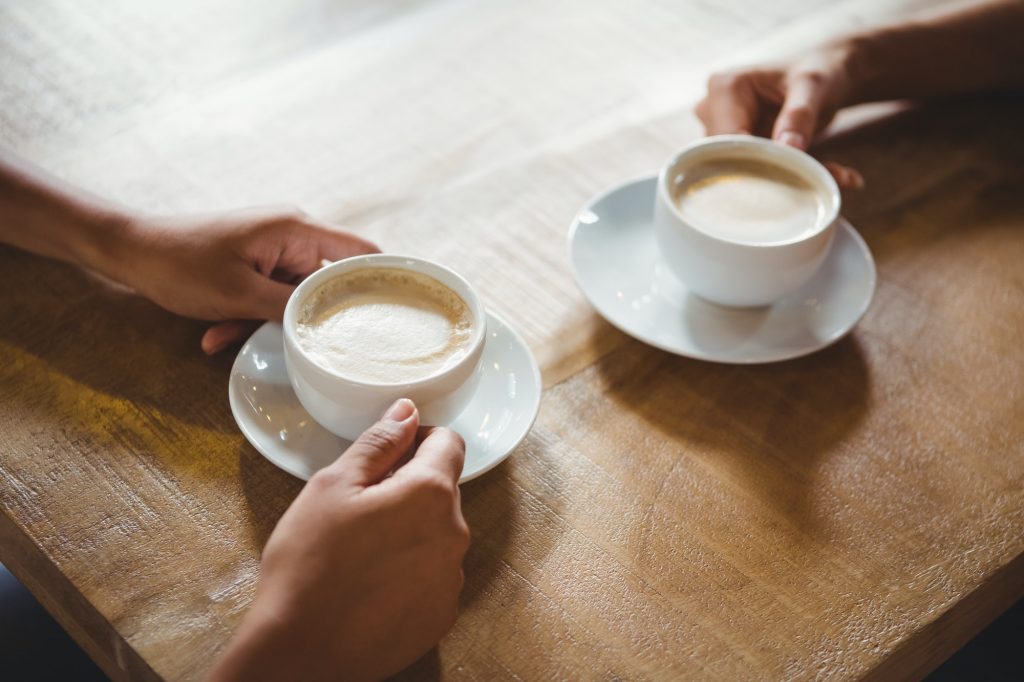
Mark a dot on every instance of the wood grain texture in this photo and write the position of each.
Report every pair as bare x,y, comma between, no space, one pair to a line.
856,513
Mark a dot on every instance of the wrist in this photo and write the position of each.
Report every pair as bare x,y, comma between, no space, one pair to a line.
266,647
864,65
110,241
837,59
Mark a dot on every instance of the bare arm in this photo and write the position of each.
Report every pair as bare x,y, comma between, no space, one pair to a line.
231,268
44,215
974,48
363,573
977,47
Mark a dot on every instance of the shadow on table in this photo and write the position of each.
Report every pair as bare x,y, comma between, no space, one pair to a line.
493,515
490,511
109,340
947,165
268,492
509,528
765,427
427,667
932,171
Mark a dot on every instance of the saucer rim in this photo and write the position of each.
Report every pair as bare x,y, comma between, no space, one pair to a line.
256,443
535,403
862,247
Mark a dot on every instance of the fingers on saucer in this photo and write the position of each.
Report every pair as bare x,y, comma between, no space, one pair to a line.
223,334
846,177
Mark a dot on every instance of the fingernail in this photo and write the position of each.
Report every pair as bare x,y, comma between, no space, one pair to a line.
400,411
856,179
792,138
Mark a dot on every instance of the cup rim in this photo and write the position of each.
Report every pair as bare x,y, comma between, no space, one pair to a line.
397,262
778,150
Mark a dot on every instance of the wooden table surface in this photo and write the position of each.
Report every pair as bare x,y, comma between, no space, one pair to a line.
859,512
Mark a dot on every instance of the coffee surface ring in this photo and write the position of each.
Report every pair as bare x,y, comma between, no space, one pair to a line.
384,325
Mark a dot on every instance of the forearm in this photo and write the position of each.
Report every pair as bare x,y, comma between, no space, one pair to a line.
271,648
46,216
253,655
968,49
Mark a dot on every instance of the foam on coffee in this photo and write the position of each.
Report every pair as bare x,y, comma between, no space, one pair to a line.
748,201
384,325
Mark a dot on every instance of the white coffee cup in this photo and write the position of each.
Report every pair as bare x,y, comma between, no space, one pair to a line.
739,273
346,406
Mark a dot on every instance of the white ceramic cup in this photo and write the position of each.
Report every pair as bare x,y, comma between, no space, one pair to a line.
735,273
347,407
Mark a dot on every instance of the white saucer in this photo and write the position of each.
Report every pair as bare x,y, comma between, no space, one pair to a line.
268,413
617,265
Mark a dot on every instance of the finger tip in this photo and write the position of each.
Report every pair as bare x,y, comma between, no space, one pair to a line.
414,418
402,411
212,348
207,343
216,339
847,178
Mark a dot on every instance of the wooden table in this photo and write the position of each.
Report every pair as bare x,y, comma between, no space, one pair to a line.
856,513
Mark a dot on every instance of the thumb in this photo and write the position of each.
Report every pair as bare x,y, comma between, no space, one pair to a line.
800,116
376,452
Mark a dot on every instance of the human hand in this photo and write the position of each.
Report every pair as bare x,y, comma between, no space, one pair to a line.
790,102
362,574
232,267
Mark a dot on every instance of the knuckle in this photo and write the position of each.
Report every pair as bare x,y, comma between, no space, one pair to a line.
800,112
452,439
325,479
457,440
726,80
436,488
813,77
290,213
463,538
272,218
380,438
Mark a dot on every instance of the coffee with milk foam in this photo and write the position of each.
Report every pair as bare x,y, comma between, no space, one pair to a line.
748,201
384,326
